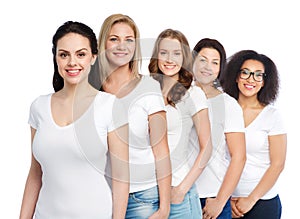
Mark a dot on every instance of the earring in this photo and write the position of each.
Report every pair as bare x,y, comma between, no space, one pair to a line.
216,83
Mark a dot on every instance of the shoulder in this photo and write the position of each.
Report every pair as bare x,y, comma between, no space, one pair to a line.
104,98
272,108
147,85
105,95
230,101
195,89
232,107
41,100
42,97
147,79
272,111
229,98
272,115
196,92
196,99
40,106
108,102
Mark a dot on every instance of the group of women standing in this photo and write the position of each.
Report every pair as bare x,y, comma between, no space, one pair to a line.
197,137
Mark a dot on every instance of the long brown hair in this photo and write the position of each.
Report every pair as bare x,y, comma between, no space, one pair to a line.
185,76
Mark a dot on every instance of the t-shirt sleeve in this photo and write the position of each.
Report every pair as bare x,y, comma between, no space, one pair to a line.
277,126
109,113
119,115
234,120
198,100
153,100
154,103
32,120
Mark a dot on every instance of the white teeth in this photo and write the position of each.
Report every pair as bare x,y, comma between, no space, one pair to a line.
169,66
73,71
120,54
249,86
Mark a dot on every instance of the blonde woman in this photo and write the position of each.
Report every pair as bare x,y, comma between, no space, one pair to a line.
119,63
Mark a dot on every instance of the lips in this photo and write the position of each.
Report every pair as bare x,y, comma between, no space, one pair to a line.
73,72
249,87
120,54
206,73
169,66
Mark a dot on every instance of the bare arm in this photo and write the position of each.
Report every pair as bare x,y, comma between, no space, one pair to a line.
32,187
119,150
159,143
277,147
237,149
202,125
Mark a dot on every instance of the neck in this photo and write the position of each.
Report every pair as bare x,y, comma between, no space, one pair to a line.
120,76
209,90
168,83
249,102
79,91
118,80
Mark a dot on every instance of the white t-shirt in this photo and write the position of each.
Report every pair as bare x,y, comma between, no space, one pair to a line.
180,123
145,99
269,122
73,160
225,115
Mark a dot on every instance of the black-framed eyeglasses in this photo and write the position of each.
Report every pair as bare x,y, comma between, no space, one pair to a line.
257,76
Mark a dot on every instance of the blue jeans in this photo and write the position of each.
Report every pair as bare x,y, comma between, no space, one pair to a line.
189,208
142,204
226,212
265,209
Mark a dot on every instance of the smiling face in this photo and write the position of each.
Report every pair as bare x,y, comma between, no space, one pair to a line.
207,66
170,57
249,87
120,45
74,58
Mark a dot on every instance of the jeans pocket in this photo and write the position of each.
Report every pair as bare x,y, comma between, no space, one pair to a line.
181,210
148,196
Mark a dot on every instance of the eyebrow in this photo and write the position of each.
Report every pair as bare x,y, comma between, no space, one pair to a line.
114,35
176,50
63,50
259,70
215,59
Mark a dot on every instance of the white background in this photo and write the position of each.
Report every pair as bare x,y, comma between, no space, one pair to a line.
27,27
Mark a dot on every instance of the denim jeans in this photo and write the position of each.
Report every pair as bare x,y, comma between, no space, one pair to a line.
142,204
189,208
226,212
265,209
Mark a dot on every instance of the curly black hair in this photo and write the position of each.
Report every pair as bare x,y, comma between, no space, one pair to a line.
268,92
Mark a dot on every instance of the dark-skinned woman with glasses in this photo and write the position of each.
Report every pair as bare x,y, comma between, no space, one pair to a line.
253,80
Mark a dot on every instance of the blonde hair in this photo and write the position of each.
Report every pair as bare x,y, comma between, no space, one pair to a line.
135,62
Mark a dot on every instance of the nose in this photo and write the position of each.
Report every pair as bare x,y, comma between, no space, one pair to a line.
121,45
207,66
72,60
251,77
169,57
